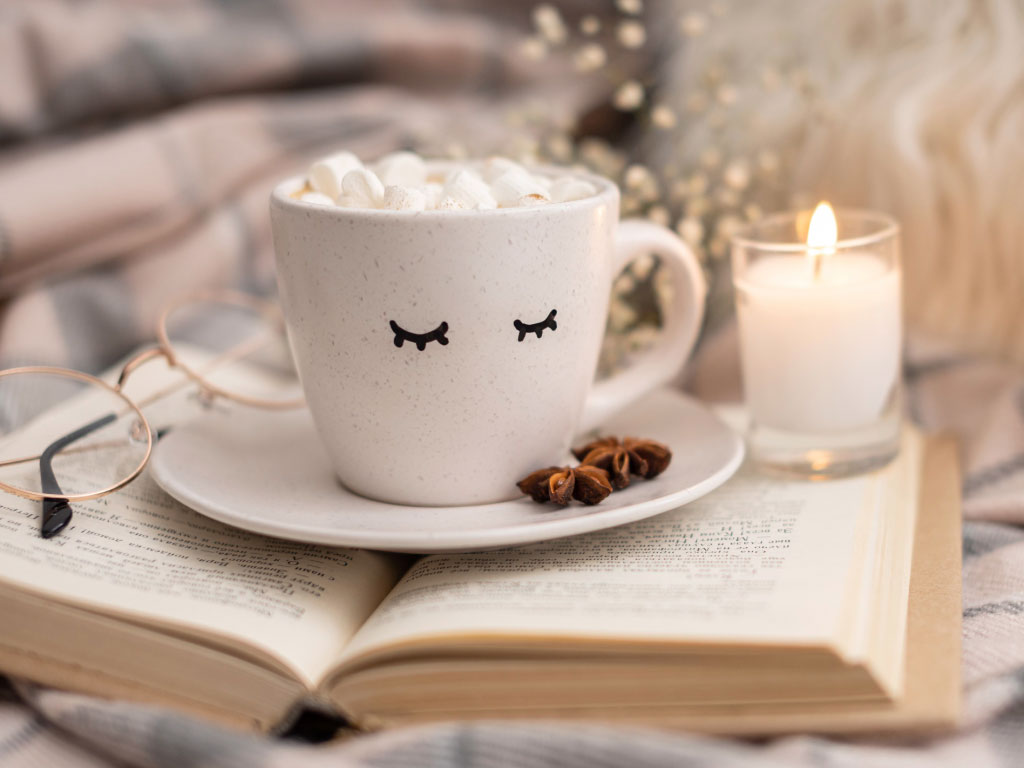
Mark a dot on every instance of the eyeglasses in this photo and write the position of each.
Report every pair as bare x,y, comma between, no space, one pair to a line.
66,436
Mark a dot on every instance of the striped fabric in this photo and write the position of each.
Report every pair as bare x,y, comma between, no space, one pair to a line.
982,403
139,139
138,144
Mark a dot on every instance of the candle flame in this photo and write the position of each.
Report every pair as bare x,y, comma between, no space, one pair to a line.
822,236
823,233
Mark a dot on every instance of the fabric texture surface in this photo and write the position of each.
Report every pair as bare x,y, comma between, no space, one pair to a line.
158,130
981,403
136,157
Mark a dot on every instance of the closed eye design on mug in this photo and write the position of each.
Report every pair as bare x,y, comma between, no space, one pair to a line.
438,334
538,328
420,339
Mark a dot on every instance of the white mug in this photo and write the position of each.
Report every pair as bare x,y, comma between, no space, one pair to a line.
447,354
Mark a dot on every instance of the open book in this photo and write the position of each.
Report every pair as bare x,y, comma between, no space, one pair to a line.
766,606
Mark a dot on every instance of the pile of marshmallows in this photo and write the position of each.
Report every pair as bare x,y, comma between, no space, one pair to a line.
402,181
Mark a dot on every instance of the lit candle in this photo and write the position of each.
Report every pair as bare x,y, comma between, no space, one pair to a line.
820,325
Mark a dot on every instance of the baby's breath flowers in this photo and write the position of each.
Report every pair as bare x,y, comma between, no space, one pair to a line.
631,34
629,96
590,57
663,116
632,7
548,21
690,177
590,25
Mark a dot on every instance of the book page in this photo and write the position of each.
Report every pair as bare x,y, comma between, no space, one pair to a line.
139,554
757,561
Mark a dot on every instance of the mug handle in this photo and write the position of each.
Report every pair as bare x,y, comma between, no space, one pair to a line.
682,320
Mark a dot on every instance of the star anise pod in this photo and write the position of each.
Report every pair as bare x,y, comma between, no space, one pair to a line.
560,484
646,458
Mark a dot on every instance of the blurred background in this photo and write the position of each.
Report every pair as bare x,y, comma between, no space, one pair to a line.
139,139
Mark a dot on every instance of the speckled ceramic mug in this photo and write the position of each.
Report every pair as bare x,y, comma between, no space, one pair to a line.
446,354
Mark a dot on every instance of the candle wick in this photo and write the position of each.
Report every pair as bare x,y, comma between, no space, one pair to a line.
818,260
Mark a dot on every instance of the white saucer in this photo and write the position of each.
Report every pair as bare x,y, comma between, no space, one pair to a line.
266,472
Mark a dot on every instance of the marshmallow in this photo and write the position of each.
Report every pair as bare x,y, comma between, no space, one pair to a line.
434,193
449,203
531,199
398,198
569,188
468,188
325,175
494,167
404,169
401,181
347,201
362,184
512,186
316,198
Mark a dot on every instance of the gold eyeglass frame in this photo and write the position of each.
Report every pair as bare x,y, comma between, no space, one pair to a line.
163,350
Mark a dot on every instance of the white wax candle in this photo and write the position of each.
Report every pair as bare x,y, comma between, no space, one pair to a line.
820,353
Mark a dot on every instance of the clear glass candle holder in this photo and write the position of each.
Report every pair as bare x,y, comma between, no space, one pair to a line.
821,338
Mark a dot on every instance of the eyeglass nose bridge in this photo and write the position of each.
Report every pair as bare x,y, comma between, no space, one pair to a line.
140,359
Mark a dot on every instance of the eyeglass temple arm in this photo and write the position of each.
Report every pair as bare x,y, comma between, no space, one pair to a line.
57,512
143,357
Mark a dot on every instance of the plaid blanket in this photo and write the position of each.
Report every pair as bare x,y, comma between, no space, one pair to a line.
139,141
137,148
982,403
